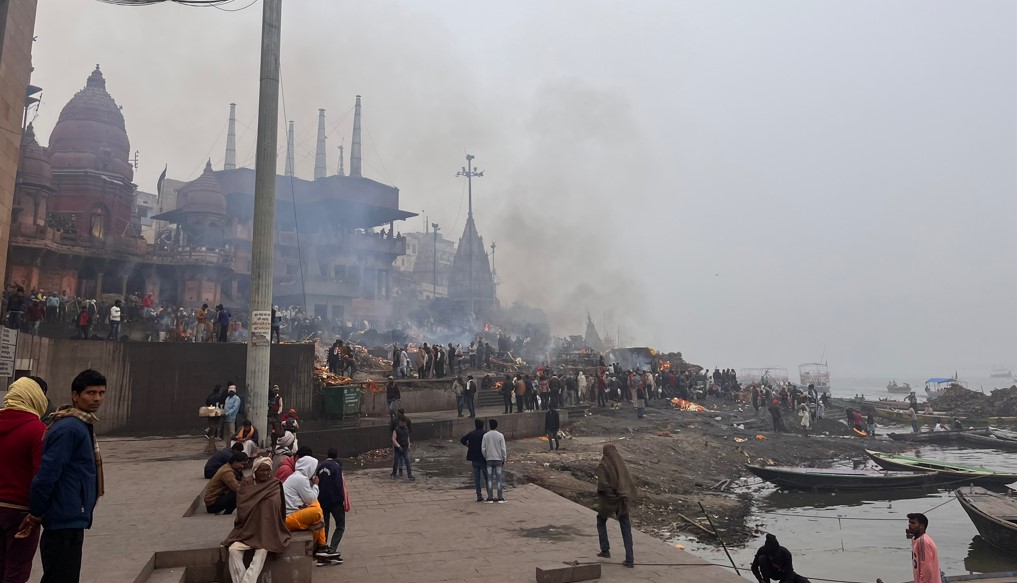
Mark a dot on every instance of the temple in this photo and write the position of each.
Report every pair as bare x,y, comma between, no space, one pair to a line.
77,228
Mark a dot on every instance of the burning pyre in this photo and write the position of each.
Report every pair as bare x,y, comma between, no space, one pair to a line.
683,405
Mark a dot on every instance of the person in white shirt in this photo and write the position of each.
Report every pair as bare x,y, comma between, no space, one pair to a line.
114,321
493,448
939,426
302,509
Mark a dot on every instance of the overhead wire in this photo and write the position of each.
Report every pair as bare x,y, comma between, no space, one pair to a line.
293,199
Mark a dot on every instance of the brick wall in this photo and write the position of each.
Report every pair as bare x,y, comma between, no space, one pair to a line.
15,73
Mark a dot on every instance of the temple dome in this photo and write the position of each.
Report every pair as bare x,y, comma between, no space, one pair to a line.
34,169
203,195
90,133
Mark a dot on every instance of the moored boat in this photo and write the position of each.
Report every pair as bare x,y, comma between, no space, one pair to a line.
816,374
951,436
994,516
893,387
946,471
840,478
990,441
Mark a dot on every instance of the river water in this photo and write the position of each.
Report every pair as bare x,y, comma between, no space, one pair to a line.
860,536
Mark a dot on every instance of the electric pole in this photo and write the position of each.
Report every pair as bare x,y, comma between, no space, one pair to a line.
259,347
434,284
470,173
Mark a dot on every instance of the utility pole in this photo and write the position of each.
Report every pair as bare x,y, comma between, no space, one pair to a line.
470,173
259,347
434,284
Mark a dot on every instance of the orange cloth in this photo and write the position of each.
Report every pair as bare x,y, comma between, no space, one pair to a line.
309,518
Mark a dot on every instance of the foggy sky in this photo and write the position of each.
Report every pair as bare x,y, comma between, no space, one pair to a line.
749,183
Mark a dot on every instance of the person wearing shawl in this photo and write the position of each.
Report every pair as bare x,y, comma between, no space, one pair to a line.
69,481
284,448
260,525
302,509
615,490
21,433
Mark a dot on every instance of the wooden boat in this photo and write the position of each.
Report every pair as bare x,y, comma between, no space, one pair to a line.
994,516
946,471
840,478
990,441
951,436
905,417
1003,433
893,387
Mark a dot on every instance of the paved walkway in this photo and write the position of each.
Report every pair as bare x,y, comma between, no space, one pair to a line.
426,531
432,531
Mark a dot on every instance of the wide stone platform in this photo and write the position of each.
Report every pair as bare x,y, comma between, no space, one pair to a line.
430,530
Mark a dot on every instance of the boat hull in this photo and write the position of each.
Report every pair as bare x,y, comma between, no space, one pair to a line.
952,436
993,516
989,441
945,472
814,479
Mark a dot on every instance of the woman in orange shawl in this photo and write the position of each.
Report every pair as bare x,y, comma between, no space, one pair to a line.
261,522
615,490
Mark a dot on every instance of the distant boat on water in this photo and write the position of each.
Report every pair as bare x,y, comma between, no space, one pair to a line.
816,374
1001,373
893,387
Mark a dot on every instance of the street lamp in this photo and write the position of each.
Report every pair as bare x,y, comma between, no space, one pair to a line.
434,283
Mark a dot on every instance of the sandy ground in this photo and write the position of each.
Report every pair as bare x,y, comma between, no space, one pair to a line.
679,459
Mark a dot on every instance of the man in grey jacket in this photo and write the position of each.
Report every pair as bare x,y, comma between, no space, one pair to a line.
493,448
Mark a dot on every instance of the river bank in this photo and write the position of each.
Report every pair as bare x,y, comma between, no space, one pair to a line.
680,459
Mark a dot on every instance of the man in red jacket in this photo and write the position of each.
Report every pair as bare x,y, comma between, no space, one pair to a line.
21,433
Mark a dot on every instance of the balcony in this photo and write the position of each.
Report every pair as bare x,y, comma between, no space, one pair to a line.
356,243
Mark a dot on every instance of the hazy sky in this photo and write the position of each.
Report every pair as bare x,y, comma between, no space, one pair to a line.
747,182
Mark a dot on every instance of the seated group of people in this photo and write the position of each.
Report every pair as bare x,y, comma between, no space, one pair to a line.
287,491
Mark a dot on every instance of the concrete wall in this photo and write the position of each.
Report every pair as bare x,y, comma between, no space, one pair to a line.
357,440
17,23
417,397
156,387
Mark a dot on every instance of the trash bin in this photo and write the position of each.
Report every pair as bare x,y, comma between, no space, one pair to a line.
333,401
351,401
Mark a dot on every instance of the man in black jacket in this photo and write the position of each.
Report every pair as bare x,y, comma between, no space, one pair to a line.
773,563
472,441
552,424
332,498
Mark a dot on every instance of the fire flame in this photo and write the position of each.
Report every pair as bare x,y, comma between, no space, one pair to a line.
686,405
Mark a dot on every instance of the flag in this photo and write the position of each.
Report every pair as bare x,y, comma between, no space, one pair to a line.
162,178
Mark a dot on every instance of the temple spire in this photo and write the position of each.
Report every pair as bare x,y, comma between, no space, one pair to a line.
289,151
341,171
319,153
231,140
355,155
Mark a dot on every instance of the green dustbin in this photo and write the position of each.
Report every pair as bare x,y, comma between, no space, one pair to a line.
334,401
352,397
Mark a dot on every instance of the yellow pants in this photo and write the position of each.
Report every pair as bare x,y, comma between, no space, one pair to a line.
309,518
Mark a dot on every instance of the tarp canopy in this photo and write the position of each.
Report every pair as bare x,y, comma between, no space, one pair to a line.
938,380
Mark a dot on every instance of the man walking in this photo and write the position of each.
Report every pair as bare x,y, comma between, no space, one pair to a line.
492,447
474,454
21,433
457,390
69,482
615,490
924,554
332,498
275,407
551,425
507,388
392,396
401,444
469,394
114,321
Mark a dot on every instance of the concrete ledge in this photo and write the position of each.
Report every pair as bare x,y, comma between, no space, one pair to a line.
351,441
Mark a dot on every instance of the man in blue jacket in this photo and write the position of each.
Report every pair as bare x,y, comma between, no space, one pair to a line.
472,441
69,481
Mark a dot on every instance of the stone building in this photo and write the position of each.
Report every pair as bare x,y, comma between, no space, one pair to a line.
78,224
422,276
17,26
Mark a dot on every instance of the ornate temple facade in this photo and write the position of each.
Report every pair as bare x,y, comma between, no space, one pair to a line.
76,225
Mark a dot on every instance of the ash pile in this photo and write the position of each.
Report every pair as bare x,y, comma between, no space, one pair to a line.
961,401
